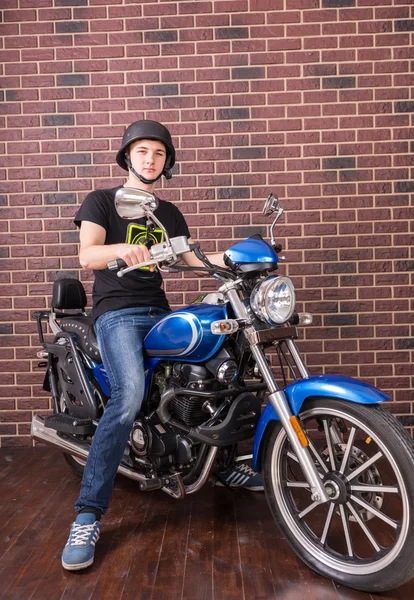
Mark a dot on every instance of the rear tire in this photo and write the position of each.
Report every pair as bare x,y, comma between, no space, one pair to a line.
364,537
76,464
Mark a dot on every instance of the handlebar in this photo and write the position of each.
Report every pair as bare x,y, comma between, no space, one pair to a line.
114,265
169,255
168,252
119,263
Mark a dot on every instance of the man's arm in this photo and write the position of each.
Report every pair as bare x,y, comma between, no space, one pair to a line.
191,260
95,255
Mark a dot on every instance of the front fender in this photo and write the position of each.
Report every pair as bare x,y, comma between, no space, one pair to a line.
329,386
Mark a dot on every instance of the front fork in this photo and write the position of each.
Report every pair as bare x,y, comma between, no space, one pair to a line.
278,398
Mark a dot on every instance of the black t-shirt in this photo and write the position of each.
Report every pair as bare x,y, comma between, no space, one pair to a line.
137,288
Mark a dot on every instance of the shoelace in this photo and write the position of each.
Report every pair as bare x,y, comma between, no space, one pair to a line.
80,534
245,469
240,475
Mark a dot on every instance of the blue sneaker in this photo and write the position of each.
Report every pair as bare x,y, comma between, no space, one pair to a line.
80,548
241,475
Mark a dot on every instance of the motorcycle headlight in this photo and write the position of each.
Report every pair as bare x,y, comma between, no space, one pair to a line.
273,299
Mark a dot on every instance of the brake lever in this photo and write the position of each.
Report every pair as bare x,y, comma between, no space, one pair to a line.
147,263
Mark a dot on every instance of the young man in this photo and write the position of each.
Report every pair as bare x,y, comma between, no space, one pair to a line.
124,310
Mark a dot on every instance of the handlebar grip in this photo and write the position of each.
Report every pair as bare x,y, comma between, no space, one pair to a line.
115,265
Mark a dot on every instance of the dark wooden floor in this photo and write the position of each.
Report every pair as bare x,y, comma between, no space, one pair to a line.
216,544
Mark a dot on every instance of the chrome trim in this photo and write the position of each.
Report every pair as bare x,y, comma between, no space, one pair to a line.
81,450
77,448
54,326
281,406
261,293
194,487
297,358
180,492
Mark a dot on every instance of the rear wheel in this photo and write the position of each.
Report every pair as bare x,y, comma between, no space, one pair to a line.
364,536
76,464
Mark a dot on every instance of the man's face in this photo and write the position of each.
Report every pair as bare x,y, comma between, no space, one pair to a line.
148,157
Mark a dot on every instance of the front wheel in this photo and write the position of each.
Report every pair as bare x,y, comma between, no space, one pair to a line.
364,536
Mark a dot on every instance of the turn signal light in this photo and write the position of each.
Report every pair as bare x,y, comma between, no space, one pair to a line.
305,318
224,327
299,431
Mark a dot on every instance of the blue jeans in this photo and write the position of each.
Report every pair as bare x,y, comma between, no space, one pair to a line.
120,335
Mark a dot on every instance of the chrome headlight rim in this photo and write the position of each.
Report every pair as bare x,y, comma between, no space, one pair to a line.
260,299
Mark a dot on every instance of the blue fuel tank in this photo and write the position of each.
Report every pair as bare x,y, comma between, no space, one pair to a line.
186,334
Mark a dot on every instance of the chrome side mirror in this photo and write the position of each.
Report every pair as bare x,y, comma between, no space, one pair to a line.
131,203
271,205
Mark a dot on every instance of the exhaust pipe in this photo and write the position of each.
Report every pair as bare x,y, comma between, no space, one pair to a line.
71,446
80,449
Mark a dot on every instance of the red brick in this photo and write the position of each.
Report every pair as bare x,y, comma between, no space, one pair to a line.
195,7
221,158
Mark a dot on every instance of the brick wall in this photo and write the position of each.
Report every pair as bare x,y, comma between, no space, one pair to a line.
311,99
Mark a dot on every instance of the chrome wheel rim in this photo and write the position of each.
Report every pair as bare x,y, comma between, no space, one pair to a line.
353,533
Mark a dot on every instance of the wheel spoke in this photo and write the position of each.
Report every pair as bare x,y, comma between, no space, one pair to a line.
347,451
318,456
327,523
308,509
293,456
297,484
362,468
375,488
329,442
364,528
375,512
346,530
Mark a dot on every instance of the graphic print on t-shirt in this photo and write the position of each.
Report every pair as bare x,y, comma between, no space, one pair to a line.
139,234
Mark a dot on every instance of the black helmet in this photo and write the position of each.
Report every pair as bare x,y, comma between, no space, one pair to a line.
147,130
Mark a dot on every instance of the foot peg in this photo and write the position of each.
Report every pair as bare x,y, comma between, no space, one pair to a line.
66,424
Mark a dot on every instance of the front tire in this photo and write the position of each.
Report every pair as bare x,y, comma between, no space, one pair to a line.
364,536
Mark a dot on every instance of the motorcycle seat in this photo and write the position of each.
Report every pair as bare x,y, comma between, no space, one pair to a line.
82,327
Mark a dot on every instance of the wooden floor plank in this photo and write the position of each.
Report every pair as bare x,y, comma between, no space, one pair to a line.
15,459
345,593
198,575
87,583
213,545
29,532
146,554
255,566
41,539
15,485
170,575
34,496
292,579
122,525
226,556
53,576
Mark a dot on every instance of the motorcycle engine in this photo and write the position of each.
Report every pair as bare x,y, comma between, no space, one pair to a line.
165,447
191,410
218,371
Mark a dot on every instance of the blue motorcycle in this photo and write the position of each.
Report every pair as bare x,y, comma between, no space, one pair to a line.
337,467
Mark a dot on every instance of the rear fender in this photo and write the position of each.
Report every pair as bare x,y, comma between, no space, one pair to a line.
328,386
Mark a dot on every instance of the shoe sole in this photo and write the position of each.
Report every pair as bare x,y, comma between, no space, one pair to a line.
258,488
78,566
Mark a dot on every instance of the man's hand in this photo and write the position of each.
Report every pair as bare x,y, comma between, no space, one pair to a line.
133,254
